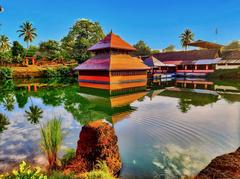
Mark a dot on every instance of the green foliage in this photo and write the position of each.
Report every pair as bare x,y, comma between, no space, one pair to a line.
225,74
32,51
7,85
57,72
3,122
5,73
59,175
82,35
28,32
50,49
169,48
25,172
17,49
4,43
186,37
51,140
142,49
8,102
155,51
100,171
34,114
5,57
69,154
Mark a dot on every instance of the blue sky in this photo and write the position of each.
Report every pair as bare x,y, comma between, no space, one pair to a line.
157,22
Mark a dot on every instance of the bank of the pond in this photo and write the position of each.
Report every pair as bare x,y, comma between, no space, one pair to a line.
37,71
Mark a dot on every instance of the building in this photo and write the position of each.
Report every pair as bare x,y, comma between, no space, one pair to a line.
205,45
230,60
113,68
191,63
159,69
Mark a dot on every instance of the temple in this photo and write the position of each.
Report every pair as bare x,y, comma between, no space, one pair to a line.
113,68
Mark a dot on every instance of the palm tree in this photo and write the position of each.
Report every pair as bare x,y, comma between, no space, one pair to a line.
186,37
28,32
4,43
8,102
34,114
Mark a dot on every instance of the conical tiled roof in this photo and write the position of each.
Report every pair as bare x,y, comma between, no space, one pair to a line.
112,41
153,62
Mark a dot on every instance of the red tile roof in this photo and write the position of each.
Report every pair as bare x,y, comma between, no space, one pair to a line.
187,55
112,41
113,62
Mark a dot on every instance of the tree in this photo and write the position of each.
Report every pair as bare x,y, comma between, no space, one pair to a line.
49,49
28,32
4,43
17,49
3,122
234,45
169,48
17,52
141,49
155,51
186,37
83,34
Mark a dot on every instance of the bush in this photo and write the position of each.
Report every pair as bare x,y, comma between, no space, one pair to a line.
5,73
69,154
100,171
64,71
50,72
57,72
25,172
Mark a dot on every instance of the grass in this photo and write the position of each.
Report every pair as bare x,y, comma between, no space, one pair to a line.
51,140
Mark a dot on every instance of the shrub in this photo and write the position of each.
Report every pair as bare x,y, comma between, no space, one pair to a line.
25,172
51,140
100,171
5,73
50,72
64,71
59,175
69,154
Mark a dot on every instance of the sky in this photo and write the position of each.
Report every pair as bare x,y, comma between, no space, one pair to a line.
157,22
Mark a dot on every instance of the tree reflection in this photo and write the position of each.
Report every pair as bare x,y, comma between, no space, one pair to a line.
184,105
8,102
3,122
34,114
22,99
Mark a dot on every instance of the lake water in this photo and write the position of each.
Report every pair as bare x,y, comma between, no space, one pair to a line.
174,128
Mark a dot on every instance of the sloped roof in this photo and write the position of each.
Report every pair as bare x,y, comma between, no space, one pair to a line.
112,41
187,55
207,62
205,44
113,62
153,62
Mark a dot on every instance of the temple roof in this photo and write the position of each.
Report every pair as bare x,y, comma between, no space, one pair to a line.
153,62
112,41
187,55
109,62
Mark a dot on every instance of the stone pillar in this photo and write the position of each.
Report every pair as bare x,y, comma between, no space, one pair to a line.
206,67
35,88
29,88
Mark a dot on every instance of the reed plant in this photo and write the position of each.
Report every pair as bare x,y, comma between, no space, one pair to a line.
51,139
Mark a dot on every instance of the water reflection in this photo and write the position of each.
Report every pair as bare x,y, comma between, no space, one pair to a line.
173,128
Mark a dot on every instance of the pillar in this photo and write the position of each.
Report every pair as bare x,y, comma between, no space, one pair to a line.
29,88
195,67
206,67
35,88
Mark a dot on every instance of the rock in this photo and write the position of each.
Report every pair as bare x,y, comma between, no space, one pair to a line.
225,166
98,142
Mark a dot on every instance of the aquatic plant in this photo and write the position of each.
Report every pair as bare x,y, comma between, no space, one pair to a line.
100,171
51,140
25,172
3,122
34,114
